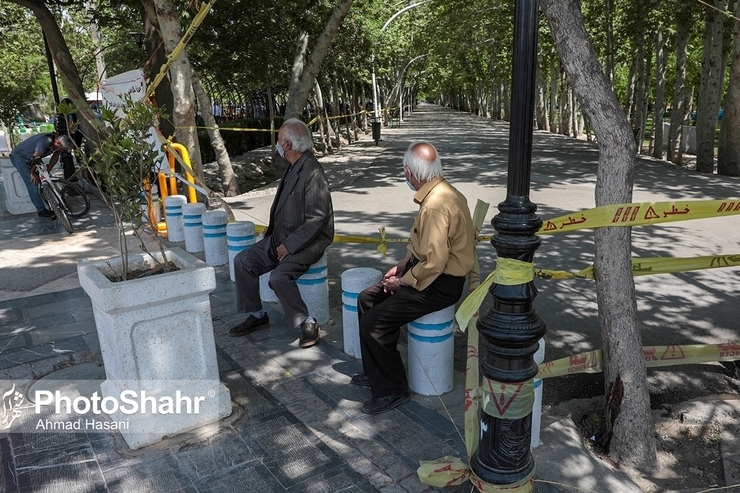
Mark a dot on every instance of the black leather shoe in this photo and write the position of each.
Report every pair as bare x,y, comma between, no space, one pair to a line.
47,213
251,324
361,380
379,405
309,334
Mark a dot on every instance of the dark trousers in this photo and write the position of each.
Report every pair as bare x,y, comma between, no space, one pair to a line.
261,257
381,317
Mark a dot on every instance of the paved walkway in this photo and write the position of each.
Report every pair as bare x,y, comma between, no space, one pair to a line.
296,424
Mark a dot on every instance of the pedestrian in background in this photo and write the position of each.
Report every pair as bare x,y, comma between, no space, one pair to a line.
37,147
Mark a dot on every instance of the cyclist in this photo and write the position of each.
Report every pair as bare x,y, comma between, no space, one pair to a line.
37,147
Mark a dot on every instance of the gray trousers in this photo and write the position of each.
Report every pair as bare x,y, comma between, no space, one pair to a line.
251,263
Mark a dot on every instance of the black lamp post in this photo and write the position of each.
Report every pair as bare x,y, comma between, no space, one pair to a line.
511,328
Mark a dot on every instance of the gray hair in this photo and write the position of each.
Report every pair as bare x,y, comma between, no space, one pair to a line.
298,134
422,159
64,141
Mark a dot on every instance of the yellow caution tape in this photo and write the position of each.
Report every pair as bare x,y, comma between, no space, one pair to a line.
180,46
508,400
640,213
451,471
231,129
655,356
473,393
509,272
650,266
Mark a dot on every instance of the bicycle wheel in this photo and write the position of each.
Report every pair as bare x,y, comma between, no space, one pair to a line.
50,197
76,200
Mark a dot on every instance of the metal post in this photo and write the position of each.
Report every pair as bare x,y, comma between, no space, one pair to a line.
511,328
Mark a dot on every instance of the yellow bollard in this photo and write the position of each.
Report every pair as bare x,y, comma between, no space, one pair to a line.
192,197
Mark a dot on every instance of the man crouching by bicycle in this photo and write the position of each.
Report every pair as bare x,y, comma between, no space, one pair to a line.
37,147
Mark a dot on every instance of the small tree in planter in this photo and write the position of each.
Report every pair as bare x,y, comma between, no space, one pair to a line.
124,159
155,332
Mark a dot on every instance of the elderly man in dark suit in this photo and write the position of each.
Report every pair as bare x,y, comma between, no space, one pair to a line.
301,227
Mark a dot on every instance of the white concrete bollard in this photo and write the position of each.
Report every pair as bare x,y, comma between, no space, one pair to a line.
539,358
155,207
354,281
239,236
267,295
192,222
314,288
16,193
214,237
431,352
173,217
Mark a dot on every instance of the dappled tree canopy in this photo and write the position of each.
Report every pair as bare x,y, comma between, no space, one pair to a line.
454,52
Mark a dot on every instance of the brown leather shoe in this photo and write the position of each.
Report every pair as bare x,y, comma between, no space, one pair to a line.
250,325
309,333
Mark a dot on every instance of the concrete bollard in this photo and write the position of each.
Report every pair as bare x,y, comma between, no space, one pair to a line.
239,236
314,288
214,237
145,207
539,358
354,281
16,193
173,217
431,352
192,221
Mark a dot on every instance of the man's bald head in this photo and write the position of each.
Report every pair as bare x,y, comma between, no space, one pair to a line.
422,160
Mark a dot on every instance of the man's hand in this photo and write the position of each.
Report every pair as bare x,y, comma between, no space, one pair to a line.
391,273
35,177
391,284
282,252
396,270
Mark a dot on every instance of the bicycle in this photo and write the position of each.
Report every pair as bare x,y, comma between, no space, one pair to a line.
65,199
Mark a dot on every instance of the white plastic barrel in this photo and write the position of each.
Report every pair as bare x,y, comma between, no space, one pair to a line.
314,288
239,236
539,358
354,281
214,237
173,217
192,221
431,352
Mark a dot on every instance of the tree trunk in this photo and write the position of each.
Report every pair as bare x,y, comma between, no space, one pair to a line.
646,96
163,92
183,111
710,88
323,122
609,18
629,420
675,151
728,159
564,104
90,125
540,103
631,84
229,184
639,90
304,75
554,79
659,108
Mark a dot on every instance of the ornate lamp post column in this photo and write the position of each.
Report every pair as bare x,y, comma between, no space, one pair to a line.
511,328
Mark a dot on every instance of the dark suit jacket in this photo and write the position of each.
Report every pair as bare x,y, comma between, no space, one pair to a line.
302,216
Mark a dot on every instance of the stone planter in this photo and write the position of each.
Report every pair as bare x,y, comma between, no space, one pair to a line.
156,339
